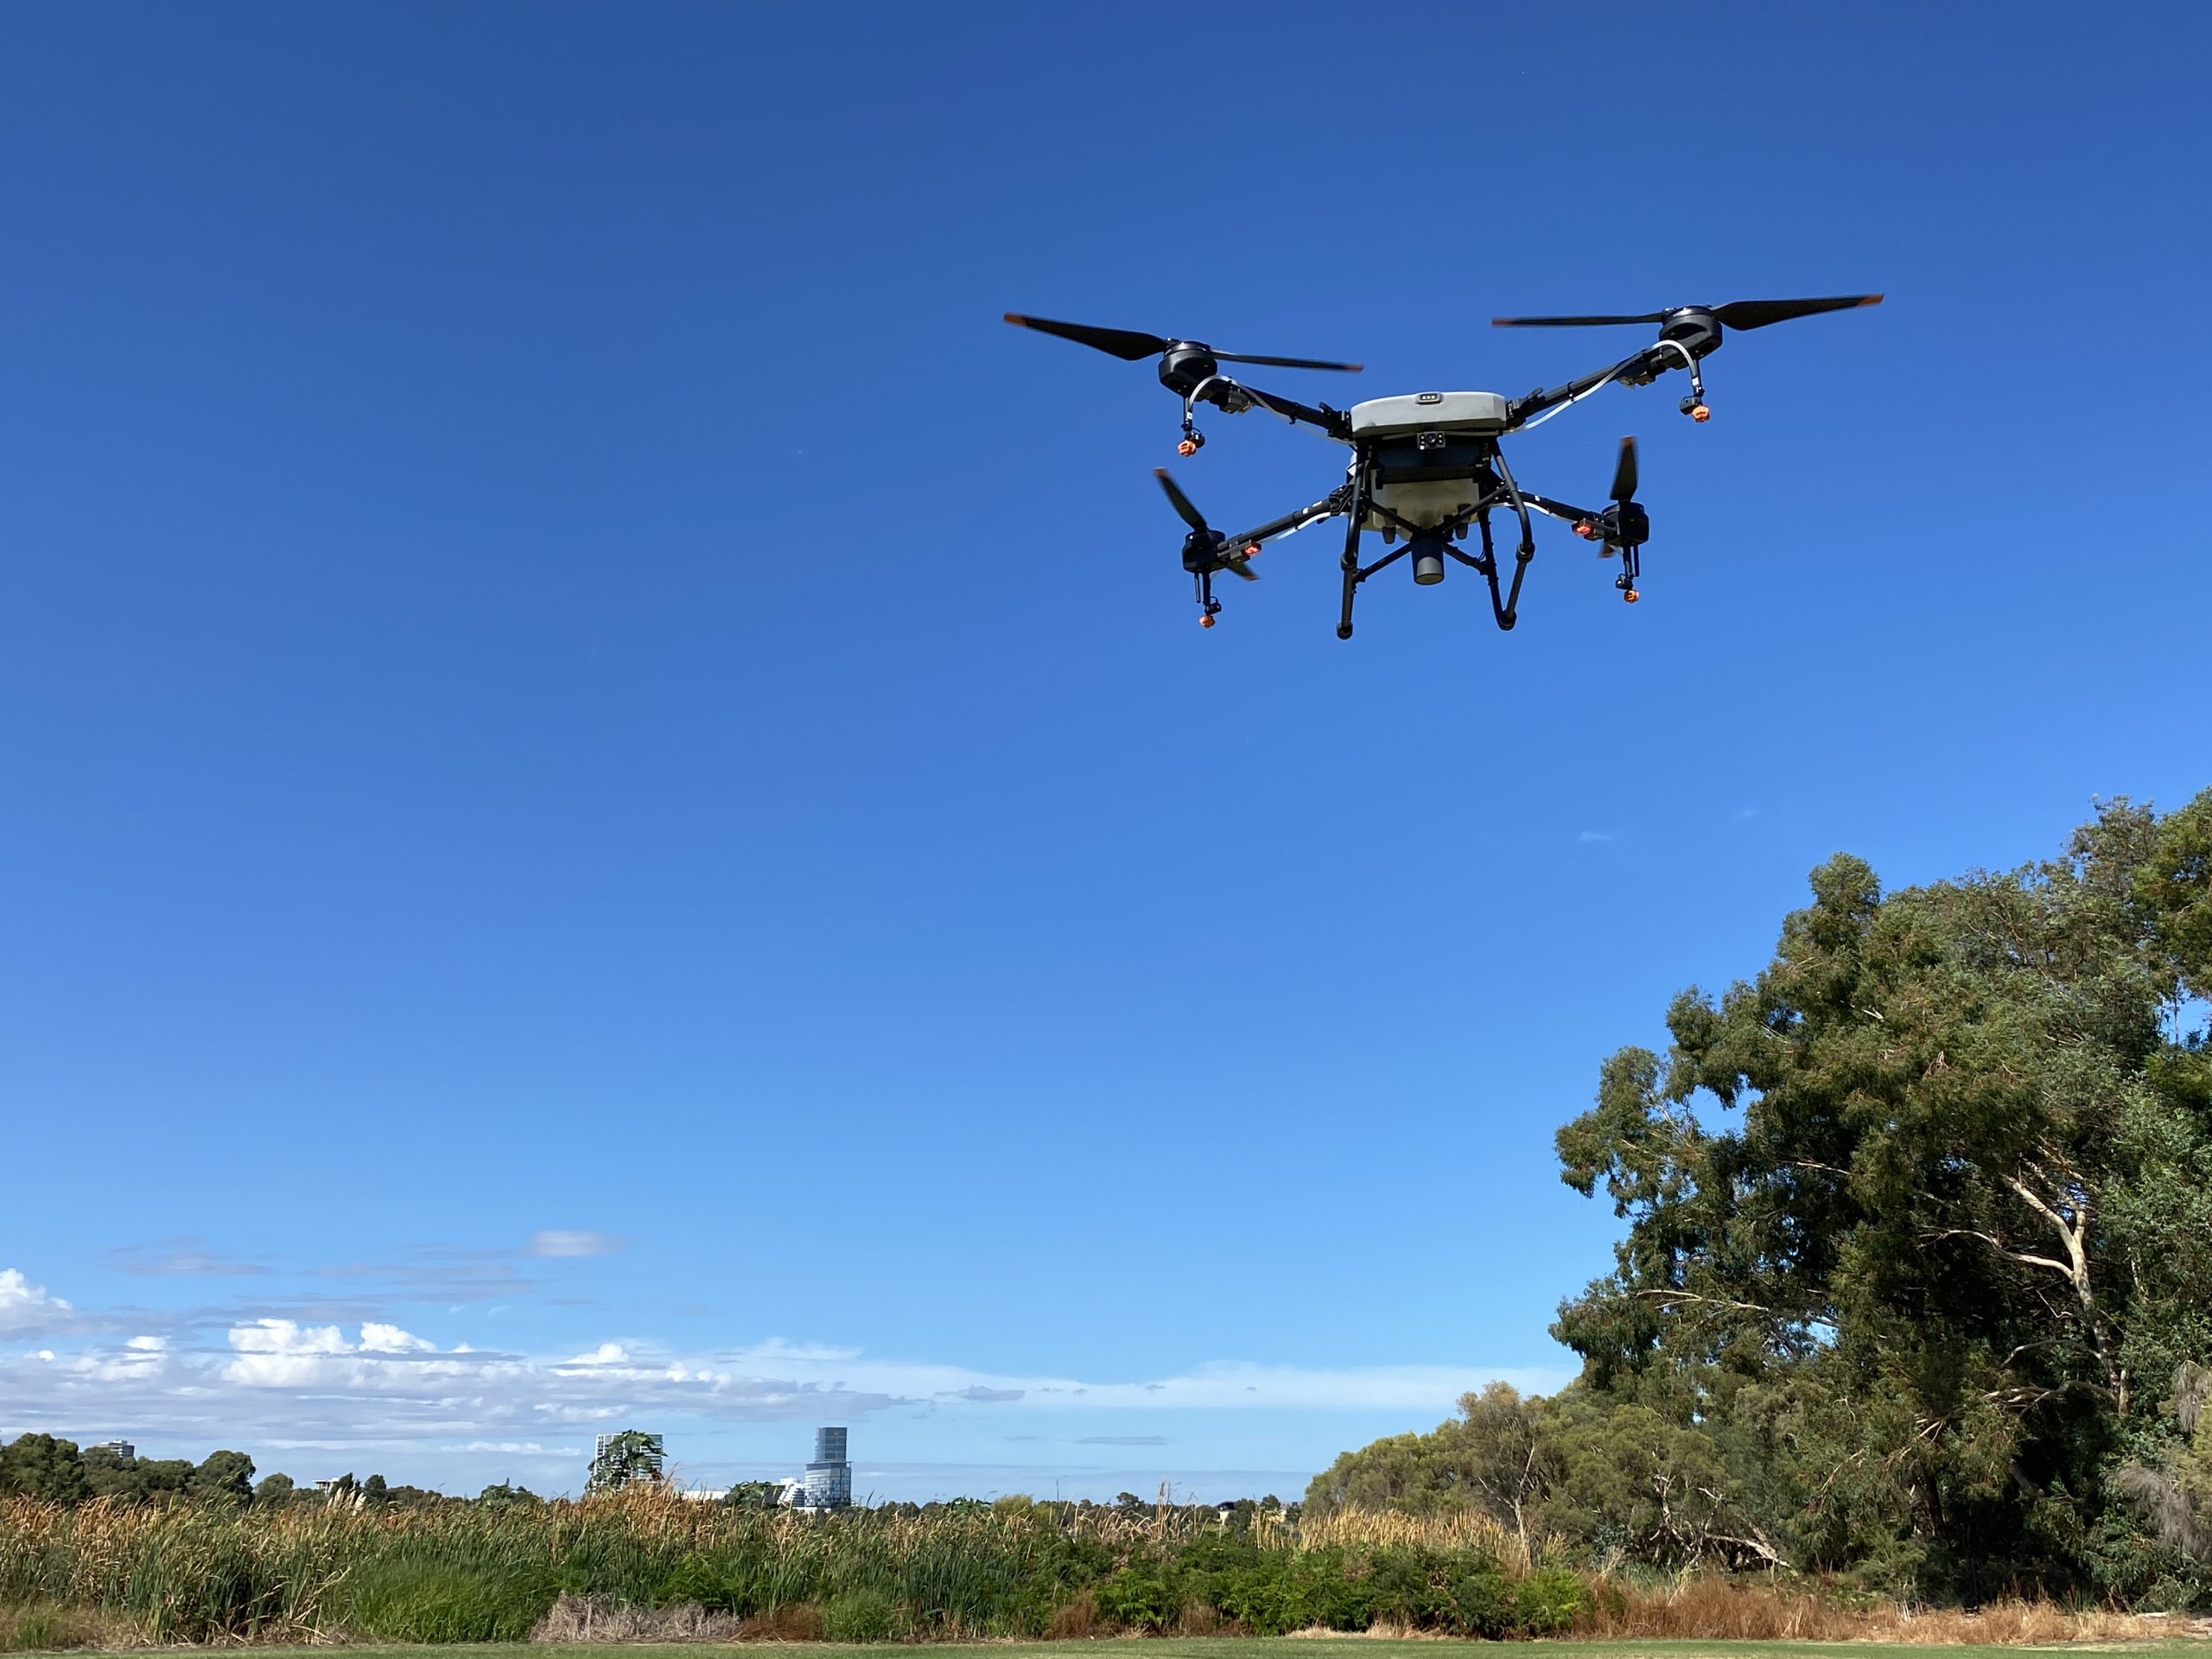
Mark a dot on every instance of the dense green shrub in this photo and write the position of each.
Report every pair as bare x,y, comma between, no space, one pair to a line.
868,1615
1139,1596
1549,1600
406,1601
1482,1603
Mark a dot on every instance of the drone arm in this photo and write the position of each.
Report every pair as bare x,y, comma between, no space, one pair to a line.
1332,422
1337,501
1558,509
1646,364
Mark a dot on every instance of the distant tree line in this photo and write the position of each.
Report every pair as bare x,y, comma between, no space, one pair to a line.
55,1470
1916,1281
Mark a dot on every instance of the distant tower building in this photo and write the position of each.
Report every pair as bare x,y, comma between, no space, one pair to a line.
829,1484
121,1449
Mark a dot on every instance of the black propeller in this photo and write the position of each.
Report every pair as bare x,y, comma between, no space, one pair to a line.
1625,471
1202,547
1737,313
1623,527
1623,524
1131,347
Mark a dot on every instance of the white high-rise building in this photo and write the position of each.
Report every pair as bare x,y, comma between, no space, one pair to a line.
829,1482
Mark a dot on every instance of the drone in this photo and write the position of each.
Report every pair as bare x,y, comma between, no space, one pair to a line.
1428,466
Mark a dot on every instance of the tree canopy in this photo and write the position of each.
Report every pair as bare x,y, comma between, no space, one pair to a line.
1914,1246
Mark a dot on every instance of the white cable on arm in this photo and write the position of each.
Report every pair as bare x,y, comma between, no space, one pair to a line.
1530,426
1688,362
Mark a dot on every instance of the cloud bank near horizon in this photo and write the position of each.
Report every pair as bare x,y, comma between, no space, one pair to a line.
276,1380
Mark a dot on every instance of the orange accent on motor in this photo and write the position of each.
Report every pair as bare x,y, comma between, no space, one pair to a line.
1586,530
1252,550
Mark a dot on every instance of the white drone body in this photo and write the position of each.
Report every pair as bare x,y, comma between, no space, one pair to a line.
1420,450
1429,467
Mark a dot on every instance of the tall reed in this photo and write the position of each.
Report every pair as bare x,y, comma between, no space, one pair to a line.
647,1561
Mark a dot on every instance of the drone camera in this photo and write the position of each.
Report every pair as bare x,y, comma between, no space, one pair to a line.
1428,559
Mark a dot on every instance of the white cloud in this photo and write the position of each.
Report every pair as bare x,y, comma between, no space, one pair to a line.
284,1380
25,1306
1591,837
554,1241
287,1336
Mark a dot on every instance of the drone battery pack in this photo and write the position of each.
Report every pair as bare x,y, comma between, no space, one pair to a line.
1430,411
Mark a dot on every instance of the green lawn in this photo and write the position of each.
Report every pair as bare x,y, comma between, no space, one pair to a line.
1234,1647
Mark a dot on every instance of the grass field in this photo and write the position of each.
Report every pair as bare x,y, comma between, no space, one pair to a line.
1247,1647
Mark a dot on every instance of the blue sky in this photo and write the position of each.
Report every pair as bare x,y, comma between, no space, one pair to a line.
614,813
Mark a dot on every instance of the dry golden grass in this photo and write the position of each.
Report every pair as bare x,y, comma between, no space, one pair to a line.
1711,1609
1077,1620
42,1627
575,1618
1462,1530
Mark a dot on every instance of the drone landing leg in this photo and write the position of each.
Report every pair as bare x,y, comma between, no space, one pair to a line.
1508,613
1488,565
1352,574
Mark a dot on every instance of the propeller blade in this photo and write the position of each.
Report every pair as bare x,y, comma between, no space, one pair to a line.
1287,362
1181,502
1625,471
1241,567
1737,313
1757,313
1124,343
1131,347
1573,322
